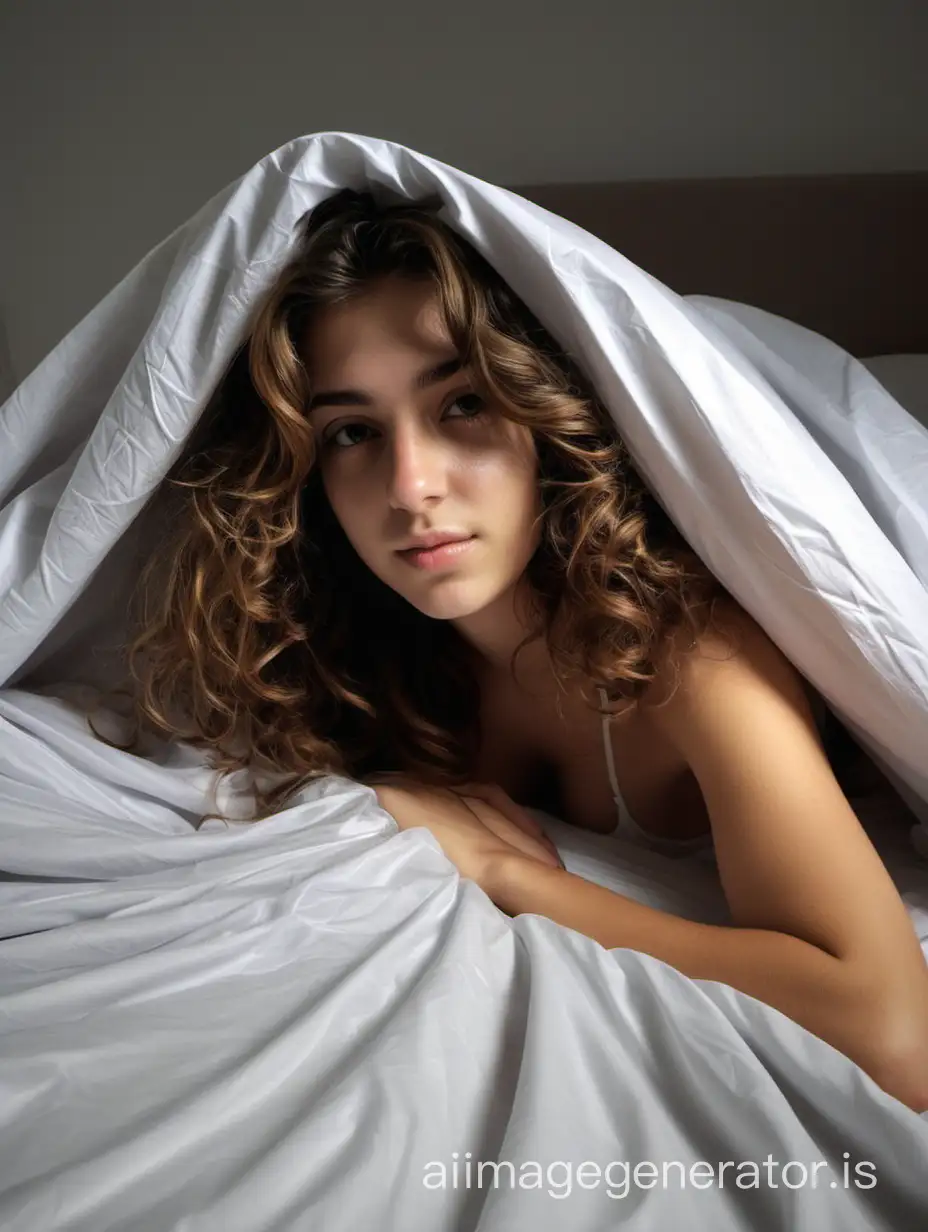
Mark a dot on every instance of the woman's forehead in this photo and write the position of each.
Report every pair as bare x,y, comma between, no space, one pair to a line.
376,324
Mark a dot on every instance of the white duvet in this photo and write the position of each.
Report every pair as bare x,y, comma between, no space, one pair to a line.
312,1021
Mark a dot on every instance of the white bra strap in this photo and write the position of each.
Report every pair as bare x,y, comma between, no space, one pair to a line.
607,743
626,824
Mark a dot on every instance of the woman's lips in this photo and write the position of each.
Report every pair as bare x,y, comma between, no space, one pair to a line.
443,555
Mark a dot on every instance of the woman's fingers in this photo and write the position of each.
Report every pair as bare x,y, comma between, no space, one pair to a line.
519,816
505,818
506,830
519,822
459,823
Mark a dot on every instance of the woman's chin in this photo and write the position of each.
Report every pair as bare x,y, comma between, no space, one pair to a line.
449,602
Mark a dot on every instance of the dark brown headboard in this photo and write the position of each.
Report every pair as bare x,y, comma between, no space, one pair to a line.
844,255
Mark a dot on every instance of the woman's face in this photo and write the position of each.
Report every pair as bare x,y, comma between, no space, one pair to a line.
402,454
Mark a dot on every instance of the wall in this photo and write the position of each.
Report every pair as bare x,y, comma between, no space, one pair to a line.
120,118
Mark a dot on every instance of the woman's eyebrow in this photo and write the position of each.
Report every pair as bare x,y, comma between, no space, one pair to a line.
433,375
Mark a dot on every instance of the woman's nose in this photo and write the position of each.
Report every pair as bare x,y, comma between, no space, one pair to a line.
418,468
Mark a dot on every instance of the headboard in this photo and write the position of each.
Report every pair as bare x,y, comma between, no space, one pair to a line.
844,255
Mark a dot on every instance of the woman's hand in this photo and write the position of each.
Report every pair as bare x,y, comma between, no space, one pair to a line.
473,833
498,798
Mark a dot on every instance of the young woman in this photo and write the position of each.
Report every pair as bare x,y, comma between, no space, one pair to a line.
410,547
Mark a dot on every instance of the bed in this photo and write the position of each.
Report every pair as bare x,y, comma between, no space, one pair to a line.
313,1022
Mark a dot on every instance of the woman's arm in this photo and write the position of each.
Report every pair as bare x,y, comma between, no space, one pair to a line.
827,995
820,932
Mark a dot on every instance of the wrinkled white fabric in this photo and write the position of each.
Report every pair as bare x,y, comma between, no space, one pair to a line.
282,1025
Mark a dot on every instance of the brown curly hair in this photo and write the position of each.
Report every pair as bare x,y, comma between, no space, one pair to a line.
260,635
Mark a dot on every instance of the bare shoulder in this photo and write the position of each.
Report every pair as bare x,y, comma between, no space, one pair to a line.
732,668
681,659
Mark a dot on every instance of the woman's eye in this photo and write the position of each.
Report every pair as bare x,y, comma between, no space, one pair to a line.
473,412
331,438
461,398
